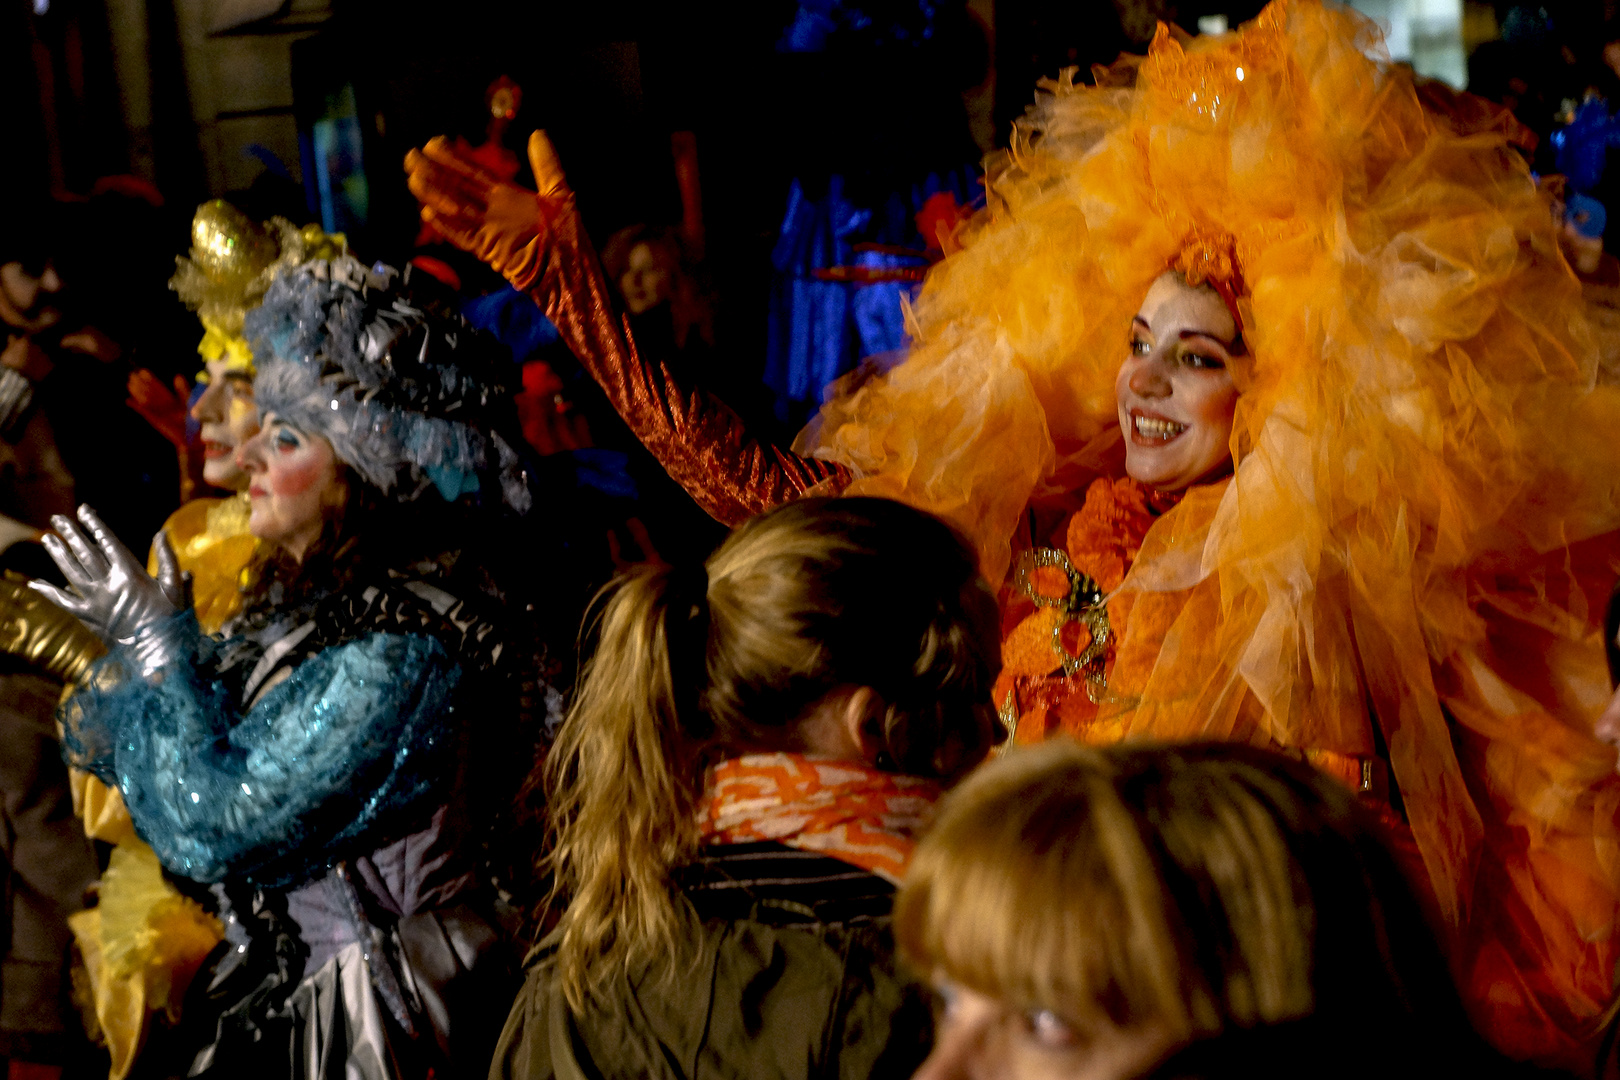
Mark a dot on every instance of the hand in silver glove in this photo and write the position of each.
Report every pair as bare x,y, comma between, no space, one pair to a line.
112,592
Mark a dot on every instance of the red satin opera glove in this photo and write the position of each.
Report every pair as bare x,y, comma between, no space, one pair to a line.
536,241
163,408
503,224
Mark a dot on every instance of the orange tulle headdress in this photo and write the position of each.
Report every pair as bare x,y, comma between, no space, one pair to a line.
1420,524
1210,258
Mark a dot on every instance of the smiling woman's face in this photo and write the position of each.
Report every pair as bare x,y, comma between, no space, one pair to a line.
1176,397
294,479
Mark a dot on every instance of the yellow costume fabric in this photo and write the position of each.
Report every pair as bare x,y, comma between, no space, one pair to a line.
1421,524
141,946
212,543
144,940
218,344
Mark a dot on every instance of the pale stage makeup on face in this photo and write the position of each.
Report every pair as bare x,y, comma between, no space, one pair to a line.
293,478
978,1037
228,418
1176,397
645,281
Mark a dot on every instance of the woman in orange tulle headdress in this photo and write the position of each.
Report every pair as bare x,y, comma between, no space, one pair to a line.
1399,558
1367,503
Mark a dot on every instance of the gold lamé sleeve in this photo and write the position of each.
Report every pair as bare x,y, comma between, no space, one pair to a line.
700,441
42,634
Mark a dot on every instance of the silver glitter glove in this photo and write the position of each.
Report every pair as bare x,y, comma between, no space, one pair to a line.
112,593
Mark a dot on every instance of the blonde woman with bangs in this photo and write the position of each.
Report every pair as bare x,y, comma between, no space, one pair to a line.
734,795
1086,913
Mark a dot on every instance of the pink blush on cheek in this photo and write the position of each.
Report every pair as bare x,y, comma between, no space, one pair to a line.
289,482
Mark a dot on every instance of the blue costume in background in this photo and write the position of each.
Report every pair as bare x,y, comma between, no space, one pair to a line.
1582,152
821,329
513,319
868,192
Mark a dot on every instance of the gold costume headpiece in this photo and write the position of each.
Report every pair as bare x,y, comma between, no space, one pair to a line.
231,264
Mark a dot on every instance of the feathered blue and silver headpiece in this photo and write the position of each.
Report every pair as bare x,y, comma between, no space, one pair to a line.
410,398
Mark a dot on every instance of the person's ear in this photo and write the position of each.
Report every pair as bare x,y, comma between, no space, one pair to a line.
863,722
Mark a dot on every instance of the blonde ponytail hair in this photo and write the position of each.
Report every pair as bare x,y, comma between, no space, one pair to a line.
812,597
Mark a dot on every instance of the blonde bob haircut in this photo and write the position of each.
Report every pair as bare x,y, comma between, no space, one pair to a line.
1193,888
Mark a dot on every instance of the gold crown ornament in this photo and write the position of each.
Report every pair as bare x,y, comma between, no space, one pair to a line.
231,264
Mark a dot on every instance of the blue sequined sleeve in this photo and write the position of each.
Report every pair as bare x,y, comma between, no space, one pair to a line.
355,742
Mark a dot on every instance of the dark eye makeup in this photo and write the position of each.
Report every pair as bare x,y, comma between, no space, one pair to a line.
1202,361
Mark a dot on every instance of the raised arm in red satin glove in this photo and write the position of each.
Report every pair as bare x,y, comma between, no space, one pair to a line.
536,241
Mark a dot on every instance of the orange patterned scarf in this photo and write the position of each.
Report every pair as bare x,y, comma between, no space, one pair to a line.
844,809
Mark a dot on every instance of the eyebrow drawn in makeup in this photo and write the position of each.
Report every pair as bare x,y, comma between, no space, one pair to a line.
1222,342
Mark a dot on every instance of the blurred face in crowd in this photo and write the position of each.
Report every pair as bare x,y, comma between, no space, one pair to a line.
979,1037
229,419
646,279
1608,725
294,480
1176,397
27,299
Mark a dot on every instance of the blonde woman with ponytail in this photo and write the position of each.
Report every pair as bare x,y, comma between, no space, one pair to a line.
734,795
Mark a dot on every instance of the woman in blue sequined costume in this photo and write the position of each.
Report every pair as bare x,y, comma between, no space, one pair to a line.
311,763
